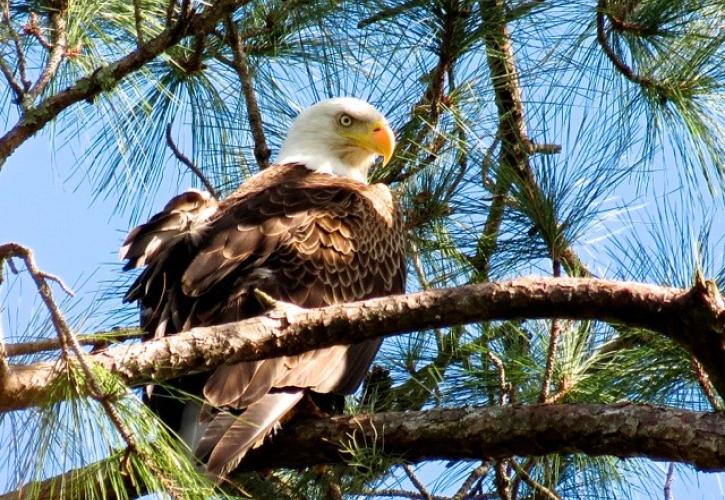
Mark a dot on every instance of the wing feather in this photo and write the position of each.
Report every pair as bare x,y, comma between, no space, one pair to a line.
306,238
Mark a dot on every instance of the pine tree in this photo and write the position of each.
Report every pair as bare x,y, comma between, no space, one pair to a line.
578,142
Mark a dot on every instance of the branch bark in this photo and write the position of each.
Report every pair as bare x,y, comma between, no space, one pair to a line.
493,433
254,116
695,318
107,77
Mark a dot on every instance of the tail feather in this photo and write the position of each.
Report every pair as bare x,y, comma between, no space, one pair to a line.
247,431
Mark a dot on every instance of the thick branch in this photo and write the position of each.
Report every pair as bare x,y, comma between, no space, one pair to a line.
494,433
694,318
107,77
491,433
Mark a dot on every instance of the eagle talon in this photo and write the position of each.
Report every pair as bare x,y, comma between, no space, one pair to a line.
265,300
274,308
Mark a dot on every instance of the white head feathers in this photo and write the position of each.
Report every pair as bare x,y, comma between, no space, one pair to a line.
336,137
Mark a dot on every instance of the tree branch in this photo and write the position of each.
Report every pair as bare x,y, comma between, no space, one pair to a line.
695,318
58,46
619,64
241,66
19,51
539,488
190,164
626,430
97,340
107,77
516,147
495,433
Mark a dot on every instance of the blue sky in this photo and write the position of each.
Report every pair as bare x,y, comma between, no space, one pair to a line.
46,208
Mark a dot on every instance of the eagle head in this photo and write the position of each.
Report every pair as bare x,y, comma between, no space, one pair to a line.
340,136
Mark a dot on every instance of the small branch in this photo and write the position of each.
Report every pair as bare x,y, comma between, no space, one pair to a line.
503,481
241,66
669,479
622,67
543,148
58,48
138,20
107,77
705,384
553,344
186,161
69,342
4,367
10,77
427,111
33,28
19,52
467,485
503,386
99,340
416,482
392,493
539,488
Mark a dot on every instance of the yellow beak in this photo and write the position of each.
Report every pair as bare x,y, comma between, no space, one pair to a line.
378,139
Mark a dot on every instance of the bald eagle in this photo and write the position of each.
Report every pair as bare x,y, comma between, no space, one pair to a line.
308,230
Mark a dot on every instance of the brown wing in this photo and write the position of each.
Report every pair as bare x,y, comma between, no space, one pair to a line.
305,238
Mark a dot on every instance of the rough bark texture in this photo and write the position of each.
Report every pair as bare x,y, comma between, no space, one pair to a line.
624,430
491,433
695,318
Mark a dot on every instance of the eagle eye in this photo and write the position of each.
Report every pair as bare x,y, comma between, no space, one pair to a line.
345,120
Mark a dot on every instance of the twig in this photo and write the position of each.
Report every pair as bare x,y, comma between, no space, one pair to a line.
391,493
669,479
99,340
416,482
261,151
516,483
543,148
622,67
503,481
138,20
426,113
10,77
68,343
107,77
467,485
503,385
186,161
19,52
4,368
33,28
535,485
553,344
705,384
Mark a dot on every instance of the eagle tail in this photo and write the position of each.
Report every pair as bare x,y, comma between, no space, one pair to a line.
231,437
